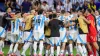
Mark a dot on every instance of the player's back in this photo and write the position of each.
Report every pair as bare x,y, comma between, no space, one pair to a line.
54,25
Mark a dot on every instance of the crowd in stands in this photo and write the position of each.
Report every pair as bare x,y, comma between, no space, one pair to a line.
55,5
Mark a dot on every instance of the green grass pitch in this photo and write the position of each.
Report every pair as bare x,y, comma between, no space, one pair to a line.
6,48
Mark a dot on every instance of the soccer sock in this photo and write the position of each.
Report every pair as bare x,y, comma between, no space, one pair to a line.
2,42
71,49
41,47
84,50
90,53
26,46
77,49
0,47
47,51
35,47
94,51
11,47
15,48
18,53
62,48
81,50
31,49
58,50
52,51
62,52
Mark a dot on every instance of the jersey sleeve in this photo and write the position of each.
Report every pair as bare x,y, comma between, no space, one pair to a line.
46,19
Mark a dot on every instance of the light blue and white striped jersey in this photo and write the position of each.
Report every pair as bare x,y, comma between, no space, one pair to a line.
39,22
98,22
21,34
15,26
68,19
62,18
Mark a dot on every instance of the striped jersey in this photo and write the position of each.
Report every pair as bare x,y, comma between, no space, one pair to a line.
39,22
68,19
62,18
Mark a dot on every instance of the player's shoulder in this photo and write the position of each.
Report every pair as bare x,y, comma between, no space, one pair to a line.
21,19
1,27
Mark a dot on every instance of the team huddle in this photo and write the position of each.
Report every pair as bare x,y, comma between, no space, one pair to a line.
50,31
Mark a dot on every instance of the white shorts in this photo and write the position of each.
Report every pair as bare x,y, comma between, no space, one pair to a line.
55,40
27,36
2,32
14,38
47,40
8,36
38,36
81,38
63,36
72,35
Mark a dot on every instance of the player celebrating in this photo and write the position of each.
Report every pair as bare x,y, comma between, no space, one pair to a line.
72,30
15,32
39,21
63,33
2,37
55,25
97,15
83,30
28,32
91,36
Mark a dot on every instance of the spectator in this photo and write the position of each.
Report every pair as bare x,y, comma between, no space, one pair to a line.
50,3
45,6
8,4
85,5
92,6
68,5
59,6
36,5
77,6
18,4
26,6
13,5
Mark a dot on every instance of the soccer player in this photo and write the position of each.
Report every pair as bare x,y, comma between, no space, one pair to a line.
97,15
2,38
92,35
83,30
55,34
14,33
39,21
62,33
72,30
28,32
47,35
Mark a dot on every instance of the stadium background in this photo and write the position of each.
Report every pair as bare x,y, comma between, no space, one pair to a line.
7,46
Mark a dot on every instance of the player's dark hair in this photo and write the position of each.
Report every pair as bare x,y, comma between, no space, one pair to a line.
40,11
81,10
69,12
50,16
62,11
22,13
89,10
54,15
73,10
17,12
